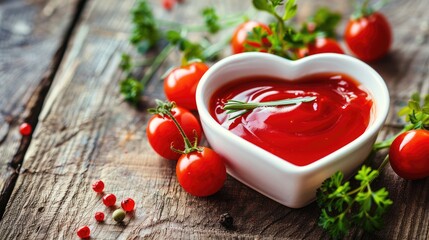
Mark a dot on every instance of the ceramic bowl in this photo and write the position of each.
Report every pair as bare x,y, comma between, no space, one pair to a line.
288,184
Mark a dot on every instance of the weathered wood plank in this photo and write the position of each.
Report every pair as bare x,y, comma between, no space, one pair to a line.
32,35
87,132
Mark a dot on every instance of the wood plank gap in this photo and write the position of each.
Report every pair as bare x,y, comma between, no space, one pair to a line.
35,104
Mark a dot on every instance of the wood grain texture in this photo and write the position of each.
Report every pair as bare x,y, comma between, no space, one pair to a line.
87,132
32,35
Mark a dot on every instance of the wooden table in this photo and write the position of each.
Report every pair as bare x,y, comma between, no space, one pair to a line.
58,71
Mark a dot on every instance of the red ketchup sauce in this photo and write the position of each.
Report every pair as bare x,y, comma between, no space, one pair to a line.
302,133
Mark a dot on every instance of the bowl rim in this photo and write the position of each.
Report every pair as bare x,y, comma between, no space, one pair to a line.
381,111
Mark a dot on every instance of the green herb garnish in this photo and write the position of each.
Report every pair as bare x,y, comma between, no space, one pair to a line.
211,20
285,39
241,108
343,207
416,115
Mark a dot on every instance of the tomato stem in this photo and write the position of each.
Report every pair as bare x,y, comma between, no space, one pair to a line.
164,108
386,143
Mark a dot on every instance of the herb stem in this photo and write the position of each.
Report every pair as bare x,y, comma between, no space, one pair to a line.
233,106
214,49
384,163
157,62
226,23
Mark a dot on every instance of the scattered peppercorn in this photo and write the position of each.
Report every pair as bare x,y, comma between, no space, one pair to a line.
98,186
128,204
118,215
99,216
109,200
83,232
25,129
226,220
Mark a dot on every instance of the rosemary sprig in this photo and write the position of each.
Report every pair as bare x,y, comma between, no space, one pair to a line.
241,108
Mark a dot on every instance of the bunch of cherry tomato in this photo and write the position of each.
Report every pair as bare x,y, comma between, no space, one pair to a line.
368,37
199,170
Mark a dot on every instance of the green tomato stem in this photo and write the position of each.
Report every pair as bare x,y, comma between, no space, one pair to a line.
164,108
386,143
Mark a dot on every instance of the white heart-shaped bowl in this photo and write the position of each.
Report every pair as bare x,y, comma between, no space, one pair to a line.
288,184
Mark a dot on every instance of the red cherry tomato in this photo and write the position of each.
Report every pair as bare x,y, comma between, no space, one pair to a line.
321,45
409,154
181,84
168,4
369,37
201,173
162,133
240,35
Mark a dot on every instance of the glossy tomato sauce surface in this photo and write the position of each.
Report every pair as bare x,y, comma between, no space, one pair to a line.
302,133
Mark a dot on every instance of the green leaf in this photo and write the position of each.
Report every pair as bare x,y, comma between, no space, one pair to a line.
404,111
366,175
380,198
211,20
426,101
336,226
413,117
144,25
276,3
173,36
131,89
126,62
425,109
326,22
190,50
290,10
263,5
415,97
364,200
343,207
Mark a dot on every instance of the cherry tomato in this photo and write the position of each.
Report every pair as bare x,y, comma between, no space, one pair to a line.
240,35
409,154
201,173
181,84
369,37
162,133
321,45
168,4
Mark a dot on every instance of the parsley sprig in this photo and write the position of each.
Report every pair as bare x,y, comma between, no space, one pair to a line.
145,32
285,38
343,207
